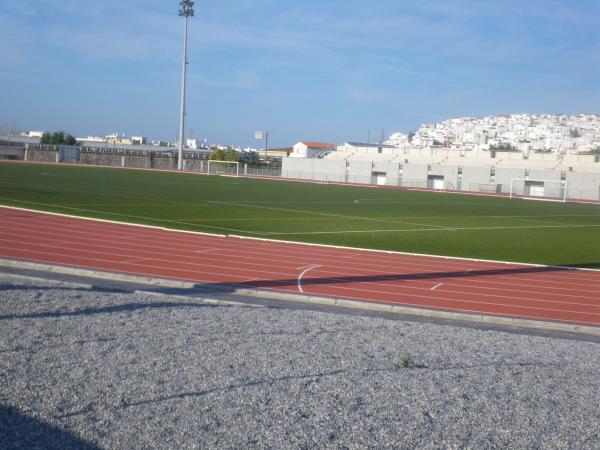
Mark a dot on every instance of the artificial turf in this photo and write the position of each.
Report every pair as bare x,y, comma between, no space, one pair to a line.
399,220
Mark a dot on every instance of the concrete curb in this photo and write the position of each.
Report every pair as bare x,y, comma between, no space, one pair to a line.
306,299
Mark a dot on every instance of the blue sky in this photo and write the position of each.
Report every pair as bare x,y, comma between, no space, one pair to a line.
316,70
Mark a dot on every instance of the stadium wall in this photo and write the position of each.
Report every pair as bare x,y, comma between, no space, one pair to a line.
450,174
390,169
477,179
415,175
359,172
314,169
505,175
583,185
554,175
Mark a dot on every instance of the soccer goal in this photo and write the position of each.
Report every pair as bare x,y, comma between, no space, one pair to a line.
547,190
230,168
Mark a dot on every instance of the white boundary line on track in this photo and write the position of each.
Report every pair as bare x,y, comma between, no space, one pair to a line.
244,268
292,255
316,266
388,252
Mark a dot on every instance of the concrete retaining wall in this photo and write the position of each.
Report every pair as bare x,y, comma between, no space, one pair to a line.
476,178
585,186
415,175
504,177
314,169
450,174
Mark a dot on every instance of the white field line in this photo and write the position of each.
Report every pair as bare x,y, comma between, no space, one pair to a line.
557,200
497,284
308,245
304,273
423,230
338,216
523,219
280,219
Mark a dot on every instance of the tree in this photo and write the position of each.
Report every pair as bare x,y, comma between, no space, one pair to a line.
217,155
503,147
250,157
231,155
58,138
46,138
225,155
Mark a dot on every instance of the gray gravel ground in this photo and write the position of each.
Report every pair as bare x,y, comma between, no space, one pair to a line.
89,369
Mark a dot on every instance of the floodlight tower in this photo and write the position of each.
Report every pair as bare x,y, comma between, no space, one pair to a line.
186,11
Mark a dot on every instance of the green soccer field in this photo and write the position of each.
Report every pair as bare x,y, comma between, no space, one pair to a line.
420,222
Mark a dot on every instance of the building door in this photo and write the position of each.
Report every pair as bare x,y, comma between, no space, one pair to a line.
534,188
379,178
435,182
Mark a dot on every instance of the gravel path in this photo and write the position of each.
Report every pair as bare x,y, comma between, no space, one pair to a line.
89,369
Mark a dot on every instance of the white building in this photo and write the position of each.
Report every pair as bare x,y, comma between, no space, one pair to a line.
304,149
33,134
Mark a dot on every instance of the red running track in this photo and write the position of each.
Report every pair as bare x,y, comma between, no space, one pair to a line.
512,290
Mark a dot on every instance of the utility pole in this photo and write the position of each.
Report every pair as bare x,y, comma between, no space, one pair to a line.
186,11
266,146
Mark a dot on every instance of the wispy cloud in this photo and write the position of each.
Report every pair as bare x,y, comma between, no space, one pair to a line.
422,54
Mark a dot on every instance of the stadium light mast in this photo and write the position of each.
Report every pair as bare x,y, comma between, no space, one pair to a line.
186,11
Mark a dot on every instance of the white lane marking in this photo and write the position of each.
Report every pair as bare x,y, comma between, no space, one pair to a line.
134,260
437,286
299,244
308,269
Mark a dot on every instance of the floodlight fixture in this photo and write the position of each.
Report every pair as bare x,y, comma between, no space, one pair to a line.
186,8
186,11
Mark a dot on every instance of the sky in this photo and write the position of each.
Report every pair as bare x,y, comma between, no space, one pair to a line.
329,71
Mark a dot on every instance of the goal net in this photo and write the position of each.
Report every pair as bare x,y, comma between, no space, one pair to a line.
549,190
231,168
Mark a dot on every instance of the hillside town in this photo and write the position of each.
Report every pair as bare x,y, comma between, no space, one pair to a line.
518,132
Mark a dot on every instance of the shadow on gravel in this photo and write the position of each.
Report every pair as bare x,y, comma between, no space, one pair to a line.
235,387
20,431
12,287
130,307
406,277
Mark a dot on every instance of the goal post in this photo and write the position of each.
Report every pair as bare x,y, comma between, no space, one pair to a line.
548,190
231,168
